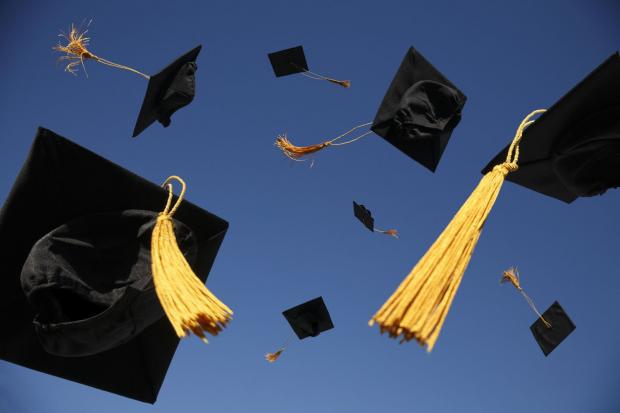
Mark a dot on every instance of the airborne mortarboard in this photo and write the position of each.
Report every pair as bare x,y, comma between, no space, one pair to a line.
573,149
365,217
420,110
77,297
550,336
167,91
292,61
307,320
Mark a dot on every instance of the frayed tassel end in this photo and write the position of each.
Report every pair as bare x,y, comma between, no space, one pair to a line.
390,232
511,275
344,83
272,357
186,301
297,152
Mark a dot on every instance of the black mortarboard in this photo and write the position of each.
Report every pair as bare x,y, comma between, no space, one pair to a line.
309,319
364,215
72,218
548,338
573,149
168,91
288,61
419,111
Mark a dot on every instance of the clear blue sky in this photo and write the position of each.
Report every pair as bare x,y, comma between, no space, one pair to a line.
292,235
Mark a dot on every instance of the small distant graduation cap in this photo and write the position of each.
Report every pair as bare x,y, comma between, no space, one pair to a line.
558,326
551,327
307,320
417,115
573,149
293,61
77,298
365,217
167,91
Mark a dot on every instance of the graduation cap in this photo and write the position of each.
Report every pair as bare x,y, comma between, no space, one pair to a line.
573,149
552,328
87,254
307,320
167,91
420,110
292,61
365,217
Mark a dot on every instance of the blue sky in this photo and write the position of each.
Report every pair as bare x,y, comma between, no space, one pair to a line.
292,235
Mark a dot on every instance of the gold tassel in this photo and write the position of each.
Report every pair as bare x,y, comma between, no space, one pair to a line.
188,304
390,232
419,306
271,357
511,275
76,50
297,152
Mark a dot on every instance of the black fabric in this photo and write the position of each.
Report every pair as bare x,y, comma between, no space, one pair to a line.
180,93
364,215
59,182
168,91
89,281
419,111
309,319
289,61
548,338
573,149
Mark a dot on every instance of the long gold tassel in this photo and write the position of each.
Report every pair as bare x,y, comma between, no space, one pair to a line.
511,275
297,152
76,50
419,306
188,304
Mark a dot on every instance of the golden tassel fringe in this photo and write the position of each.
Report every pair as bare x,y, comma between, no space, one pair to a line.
390,232
511,275
271,357
419,306
76,50
188,304
297,152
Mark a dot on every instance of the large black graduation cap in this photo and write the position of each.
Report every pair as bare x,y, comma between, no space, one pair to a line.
288,61
419,111
573,149
168,91
364,215
309,319
548,338
62,220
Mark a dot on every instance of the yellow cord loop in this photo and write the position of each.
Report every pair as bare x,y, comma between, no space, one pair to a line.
511,275
419,306
188,304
